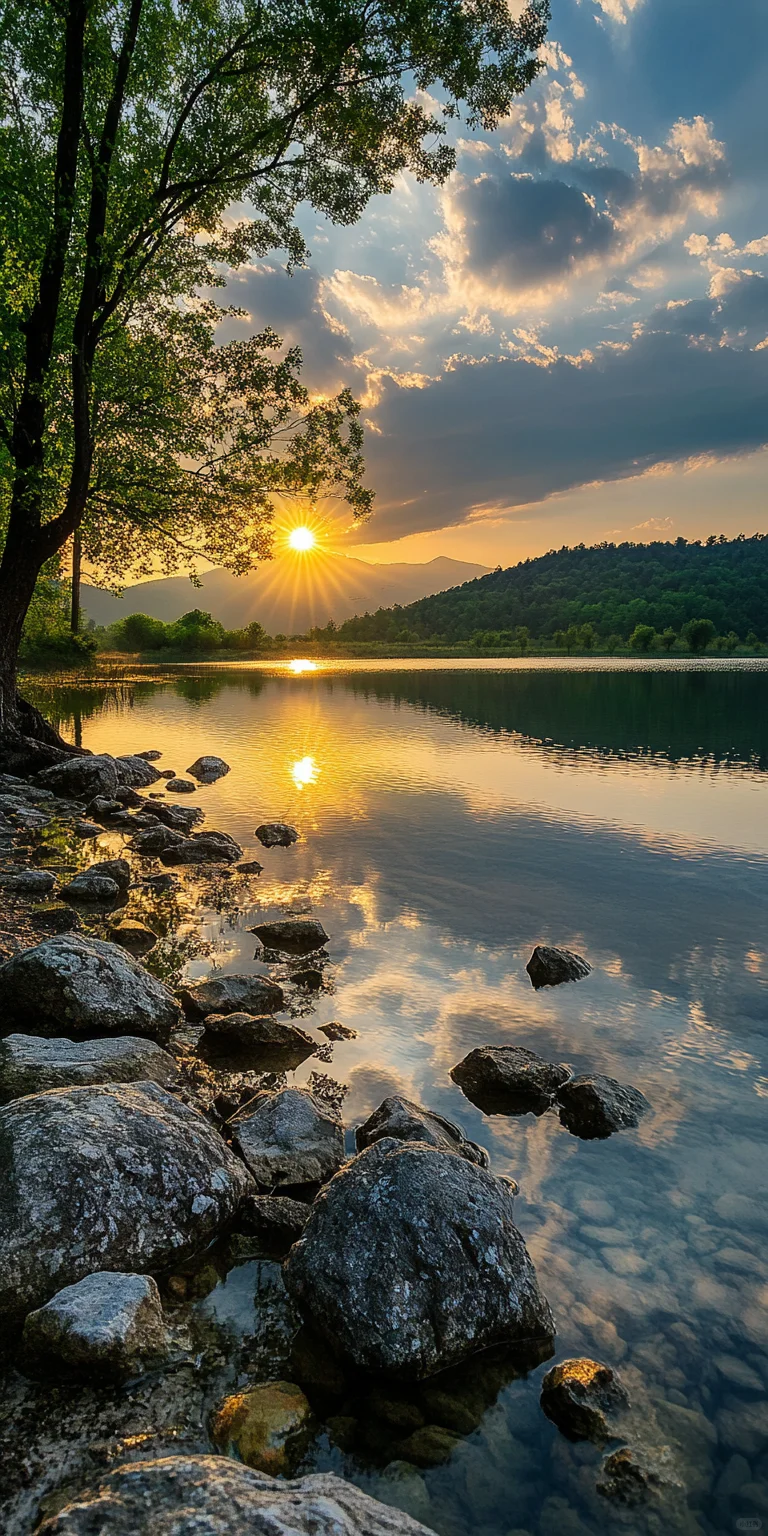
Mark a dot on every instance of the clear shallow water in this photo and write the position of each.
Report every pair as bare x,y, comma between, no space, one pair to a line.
451,818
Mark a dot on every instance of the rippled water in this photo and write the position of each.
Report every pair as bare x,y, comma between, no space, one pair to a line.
451,817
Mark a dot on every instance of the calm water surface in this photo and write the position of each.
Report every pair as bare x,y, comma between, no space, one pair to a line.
451,817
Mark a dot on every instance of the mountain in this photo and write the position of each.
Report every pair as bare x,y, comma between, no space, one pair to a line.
612,586
288,595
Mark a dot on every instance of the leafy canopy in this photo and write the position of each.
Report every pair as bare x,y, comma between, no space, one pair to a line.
145,147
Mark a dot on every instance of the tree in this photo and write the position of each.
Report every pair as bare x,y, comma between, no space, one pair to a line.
642,637
668,638
697,634
522,636
588,636
130,128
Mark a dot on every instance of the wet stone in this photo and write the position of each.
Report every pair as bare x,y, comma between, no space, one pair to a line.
55,917
266,1427
593,1106
276,1220
134,936
29,1064
203,848
80,778
107,1323
276,834
507,1079
91,888
636,1476
87,829
136,772
291,1138
157,839
86,987
242,1032
335,1031
231,994
584,1398
180,786
550,966
293,935
28,882
208,769
250,867
405,1121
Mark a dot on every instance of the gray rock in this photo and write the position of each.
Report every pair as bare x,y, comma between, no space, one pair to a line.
87,829
294,935
245,1031
584,1399
85,987
405,1121
157,839
230,994
55,916
593,1106
217,1496
90,887
159,885
129,798
31,1065
507,1079
549,967
208,769
107,1323
410,1262
276,834
291,1138
180,786
28,882
103,808
204,848
182,818
149,757
333,1030
275,1219
119,1176
638,1474
134,936
22,790
136,771
80,778
251,867
118,870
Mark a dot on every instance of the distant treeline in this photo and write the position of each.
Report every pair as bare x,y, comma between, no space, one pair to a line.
195,633
653,596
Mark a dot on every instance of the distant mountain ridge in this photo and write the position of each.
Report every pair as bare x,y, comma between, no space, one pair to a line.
288,595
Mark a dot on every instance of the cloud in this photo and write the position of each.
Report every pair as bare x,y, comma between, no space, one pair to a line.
293,305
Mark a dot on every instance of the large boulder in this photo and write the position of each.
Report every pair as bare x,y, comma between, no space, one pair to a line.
220,1497
203,848
242,1035
119,1176
84,987
291,1138
230,994
410,1262
405,1121
107,1323
31,1065
207,769
294,935
509,1080
80,778
593,1106
135,771
549,966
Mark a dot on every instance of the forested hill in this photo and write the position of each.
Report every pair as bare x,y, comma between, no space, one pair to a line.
613,587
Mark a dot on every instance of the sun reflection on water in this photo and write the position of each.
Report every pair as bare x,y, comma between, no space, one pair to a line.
304,772
299,665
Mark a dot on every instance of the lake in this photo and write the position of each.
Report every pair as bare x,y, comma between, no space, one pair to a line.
451,816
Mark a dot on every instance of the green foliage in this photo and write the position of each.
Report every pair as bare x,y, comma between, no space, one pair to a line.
195,633
642,637
47,636
697,634
668,639
610,589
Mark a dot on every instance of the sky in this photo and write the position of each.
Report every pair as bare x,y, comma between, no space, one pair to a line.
568,341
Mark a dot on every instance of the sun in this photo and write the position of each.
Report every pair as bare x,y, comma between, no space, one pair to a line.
301,539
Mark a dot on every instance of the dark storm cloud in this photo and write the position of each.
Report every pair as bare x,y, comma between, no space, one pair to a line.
506,433
522,233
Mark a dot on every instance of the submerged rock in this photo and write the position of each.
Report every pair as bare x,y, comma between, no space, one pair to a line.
276,834
437,1269
119,1176
204,848
291,1138
80,778
294,935
160,885
28,882
593,1106
400,1118
549,967
220,1497
230,994
134,936
638,1475
180,786
107,1323
86,987
266,1427
31,1065
89,887
507,1079
208,769
584,1398
136,771
275,1219
55,916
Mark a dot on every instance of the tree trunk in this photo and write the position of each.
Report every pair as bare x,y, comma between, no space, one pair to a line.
77,555
27,741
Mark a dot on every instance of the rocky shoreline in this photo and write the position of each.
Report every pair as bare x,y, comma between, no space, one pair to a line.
150,1140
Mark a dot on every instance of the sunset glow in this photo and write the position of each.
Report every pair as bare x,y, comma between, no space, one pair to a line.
301,539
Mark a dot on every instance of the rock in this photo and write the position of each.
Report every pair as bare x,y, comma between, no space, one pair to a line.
28,882
634,1475
134,936
90,887
85,987
266,1427
80,778
208,769
276,834
336,1031
311,979
31,1065
118,870
584,1398
291,1138
549,967
243,1031
593,1106
252,867
149,757
86,829
128,798
204,848
230,994
509,1080
437,1269
135,771
294,935
159,885
429,1446
103,808
217,1496
157,839
55,916
168,773
275,1219
400,1118
108,1322
181,818
118,1176
180,786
